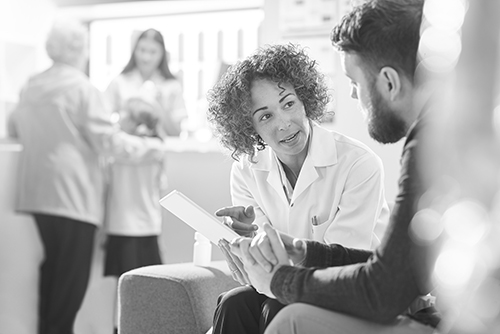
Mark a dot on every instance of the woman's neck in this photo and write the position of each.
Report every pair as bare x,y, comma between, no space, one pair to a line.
291,175
146,75
293,163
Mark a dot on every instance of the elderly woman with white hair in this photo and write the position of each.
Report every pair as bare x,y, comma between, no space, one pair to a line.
65,129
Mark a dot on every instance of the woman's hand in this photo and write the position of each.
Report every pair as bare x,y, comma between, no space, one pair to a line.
270,248
261,257
239,219
234,263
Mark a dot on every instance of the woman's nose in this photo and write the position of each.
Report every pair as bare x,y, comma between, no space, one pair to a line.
144,56
285,123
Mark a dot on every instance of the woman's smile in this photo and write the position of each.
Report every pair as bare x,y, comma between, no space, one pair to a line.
290,138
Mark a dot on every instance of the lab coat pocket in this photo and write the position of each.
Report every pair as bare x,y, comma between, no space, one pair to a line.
319,230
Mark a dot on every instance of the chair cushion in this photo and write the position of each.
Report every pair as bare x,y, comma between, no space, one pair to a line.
173,298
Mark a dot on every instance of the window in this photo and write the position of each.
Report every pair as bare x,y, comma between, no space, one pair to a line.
199,46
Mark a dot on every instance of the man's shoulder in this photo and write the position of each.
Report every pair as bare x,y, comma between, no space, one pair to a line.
414,136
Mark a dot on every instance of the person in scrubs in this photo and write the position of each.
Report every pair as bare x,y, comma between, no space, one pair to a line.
305,179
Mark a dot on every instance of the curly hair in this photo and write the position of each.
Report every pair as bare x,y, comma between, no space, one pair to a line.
229,109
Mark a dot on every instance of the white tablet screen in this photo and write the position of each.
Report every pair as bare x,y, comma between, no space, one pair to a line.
196,217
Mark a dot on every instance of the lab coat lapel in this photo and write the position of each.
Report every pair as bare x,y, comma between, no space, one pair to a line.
308,174
266,163
319,155
274,181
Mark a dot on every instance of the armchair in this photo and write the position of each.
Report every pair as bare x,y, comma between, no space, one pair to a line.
171,298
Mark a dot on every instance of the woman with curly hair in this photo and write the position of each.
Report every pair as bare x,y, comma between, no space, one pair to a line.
304,179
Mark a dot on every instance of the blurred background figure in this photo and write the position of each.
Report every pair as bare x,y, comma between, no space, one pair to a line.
147,100
64,127
133,215
147,75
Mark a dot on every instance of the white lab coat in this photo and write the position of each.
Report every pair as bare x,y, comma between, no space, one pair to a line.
340,184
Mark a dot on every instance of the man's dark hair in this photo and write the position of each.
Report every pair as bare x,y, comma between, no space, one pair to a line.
383,33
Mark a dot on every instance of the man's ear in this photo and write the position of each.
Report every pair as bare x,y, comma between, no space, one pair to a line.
390,83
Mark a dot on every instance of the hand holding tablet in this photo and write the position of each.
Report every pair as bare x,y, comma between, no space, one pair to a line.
196,217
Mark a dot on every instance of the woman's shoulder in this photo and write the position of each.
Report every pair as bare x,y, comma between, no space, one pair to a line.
120,79
169,84
243,163
345,145
261,161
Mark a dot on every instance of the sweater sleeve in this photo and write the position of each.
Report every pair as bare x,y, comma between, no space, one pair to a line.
321,255
379,287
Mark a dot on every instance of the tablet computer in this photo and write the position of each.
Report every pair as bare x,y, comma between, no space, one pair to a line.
196,217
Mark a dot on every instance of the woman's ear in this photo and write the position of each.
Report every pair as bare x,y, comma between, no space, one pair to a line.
390,83
259,140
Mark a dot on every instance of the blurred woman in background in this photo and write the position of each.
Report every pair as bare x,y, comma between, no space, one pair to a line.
149,102
147,75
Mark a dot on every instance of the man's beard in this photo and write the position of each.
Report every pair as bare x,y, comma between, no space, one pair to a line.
384,124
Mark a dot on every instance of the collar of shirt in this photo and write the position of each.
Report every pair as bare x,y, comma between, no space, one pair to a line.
321,155
136,77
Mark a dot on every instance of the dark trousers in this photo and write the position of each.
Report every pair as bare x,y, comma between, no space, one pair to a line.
243,310
64,274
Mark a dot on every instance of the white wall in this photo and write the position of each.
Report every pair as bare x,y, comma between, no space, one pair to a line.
23,26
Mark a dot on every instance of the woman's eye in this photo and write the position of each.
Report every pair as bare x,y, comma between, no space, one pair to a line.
289,104
265,117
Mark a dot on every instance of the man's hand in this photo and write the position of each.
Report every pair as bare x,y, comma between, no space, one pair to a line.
263,251
240,219
261,257
295,247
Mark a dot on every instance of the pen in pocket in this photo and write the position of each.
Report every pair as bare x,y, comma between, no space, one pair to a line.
314,221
